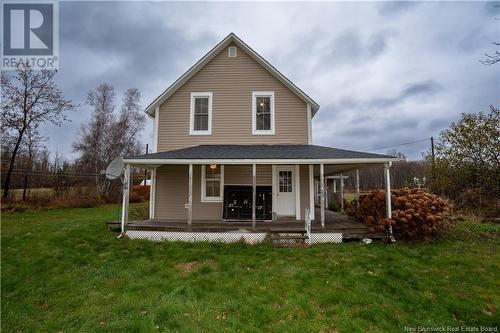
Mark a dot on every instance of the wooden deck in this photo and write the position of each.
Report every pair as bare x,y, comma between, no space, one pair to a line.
334,223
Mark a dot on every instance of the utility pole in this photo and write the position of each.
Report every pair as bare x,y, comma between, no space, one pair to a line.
146,170
433,161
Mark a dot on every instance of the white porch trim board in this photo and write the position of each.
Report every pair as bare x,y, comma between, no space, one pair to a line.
337,161
190,196
322,196
311,190
274,187
254,193
297,192
152,194
126,191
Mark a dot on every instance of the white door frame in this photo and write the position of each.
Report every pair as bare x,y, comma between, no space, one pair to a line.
296,184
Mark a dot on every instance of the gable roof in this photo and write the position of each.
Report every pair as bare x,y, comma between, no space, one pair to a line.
210,55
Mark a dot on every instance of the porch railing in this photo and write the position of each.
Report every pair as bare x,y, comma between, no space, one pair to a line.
308,222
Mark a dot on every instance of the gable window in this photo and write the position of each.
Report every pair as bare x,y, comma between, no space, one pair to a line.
263,112
212,182
200,122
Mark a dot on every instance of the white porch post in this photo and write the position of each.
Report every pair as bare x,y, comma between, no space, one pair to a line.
341,192
126,191
152,194
357,187
311,190
190,196
322,195
388,201
254,193
334,186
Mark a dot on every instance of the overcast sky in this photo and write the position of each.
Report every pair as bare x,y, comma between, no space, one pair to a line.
383,72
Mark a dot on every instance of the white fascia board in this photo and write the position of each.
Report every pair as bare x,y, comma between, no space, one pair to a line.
256,161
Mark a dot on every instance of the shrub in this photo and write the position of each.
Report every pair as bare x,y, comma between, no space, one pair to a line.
139,193
139,213
416,214
335,205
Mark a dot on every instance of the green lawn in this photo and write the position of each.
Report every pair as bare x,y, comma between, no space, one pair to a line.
62,271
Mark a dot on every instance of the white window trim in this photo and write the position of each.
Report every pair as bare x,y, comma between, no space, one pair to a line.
191,116
229,52
256,94
204,198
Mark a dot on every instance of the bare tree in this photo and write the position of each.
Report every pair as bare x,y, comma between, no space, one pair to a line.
107,135
128,125
32,147
94,136
491,59
29,98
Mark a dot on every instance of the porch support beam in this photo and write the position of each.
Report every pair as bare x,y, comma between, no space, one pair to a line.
190,196
254,193
311,190
388,200
152,194
357,187
126,191
341,192
322,192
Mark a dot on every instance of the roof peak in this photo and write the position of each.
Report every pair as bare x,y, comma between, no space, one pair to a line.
210,55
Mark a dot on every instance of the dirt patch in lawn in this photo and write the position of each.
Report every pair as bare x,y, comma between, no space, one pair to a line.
193,266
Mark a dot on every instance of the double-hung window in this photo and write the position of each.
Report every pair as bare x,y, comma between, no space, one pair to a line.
212,182
263,112
200,122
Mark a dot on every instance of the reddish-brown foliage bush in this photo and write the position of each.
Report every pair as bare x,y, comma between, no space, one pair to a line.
139,193
415,213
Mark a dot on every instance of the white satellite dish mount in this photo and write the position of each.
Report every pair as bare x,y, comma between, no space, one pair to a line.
115,168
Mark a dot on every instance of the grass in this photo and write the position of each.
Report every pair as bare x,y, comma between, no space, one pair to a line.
62,271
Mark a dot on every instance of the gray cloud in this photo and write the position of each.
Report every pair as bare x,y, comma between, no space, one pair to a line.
384,73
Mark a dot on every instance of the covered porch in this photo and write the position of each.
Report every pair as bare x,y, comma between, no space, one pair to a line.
296,199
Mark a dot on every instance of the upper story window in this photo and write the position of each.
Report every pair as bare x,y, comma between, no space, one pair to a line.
212,182
263,112
200,122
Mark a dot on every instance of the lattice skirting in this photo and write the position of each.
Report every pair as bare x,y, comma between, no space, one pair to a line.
224,237
327,237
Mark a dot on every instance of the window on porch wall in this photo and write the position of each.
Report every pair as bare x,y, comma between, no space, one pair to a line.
212,182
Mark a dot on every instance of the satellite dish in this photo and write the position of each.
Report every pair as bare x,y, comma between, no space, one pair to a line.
115,168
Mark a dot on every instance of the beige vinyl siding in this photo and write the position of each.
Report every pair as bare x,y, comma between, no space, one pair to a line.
203,210
232,81
242,175
171,192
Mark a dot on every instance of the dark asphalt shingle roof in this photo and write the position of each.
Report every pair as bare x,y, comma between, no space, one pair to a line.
259,152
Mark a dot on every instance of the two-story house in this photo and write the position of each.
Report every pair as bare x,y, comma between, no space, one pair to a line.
233,141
